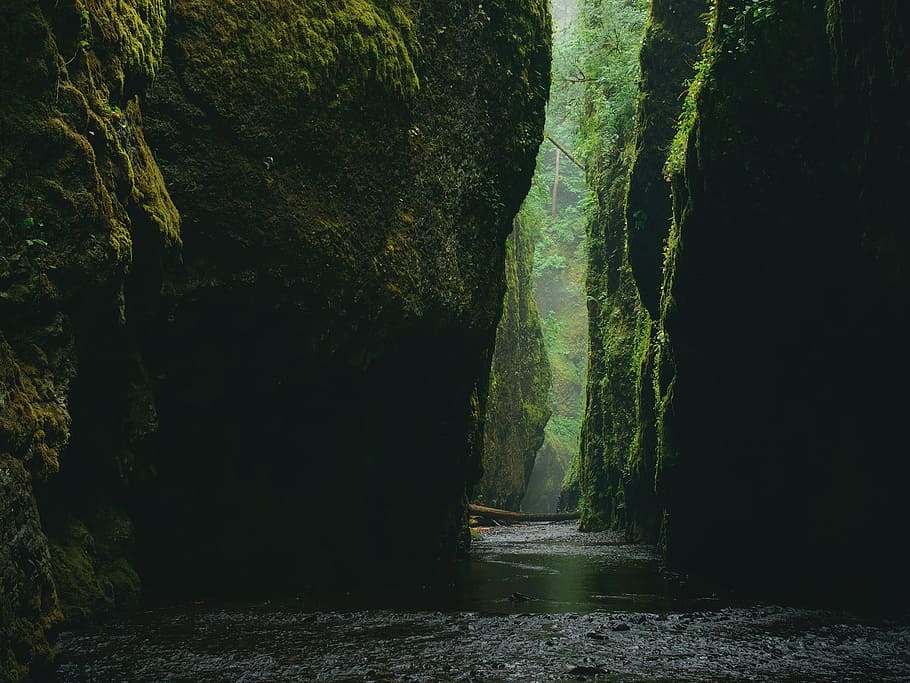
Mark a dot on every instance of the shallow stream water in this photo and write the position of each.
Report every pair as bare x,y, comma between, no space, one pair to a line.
538,602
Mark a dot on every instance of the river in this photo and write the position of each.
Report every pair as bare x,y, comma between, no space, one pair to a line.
539,602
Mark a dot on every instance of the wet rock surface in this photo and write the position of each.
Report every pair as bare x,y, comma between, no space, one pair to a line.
479,634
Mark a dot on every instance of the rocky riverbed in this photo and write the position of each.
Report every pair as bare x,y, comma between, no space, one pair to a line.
535,603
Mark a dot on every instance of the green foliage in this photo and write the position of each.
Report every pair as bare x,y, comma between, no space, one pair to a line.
559,268
608,35
297,49
595,63
676,157
85,29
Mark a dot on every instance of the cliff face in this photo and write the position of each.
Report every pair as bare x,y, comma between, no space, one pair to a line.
346,178
669,48
617,327
765,418
780,408
518,406
617,322
624,408
85,221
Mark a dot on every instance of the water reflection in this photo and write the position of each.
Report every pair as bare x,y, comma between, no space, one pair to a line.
564,571
601,609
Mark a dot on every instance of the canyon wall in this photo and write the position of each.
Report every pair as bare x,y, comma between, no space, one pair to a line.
251,269
768,452
518,404
780,399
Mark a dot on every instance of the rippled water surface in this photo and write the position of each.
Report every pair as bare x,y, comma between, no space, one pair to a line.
600,611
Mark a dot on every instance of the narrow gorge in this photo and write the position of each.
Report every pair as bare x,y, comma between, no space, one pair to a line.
280,294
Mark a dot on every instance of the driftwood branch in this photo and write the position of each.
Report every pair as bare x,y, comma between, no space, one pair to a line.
509,517
565,151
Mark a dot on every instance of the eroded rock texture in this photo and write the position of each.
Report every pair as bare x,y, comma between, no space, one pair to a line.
255,404
85,222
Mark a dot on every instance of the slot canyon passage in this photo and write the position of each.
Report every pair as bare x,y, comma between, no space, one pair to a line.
288,287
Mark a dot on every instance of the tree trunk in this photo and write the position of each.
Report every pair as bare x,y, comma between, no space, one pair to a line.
555,184
509,517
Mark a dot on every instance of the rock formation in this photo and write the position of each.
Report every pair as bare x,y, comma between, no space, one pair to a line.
251,268
518,404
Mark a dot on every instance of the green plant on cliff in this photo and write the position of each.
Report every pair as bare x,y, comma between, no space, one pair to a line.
677,153
608,38
553,210
85,29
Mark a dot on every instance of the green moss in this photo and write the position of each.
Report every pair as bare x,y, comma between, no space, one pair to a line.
28,601
149,192
92,569
269,56
82,204
130,33
676,156
24,650
82,592
33,424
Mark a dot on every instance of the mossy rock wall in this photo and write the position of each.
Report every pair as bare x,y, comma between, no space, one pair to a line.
627,236
782,386
85,222
347,176
669,49
517,406
762,422
618,326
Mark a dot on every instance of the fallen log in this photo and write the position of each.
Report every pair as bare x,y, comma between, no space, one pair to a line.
510,517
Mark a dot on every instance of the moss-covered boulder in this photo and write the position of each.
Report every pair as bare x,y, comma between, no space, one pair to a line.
518,403
782,391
